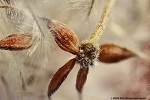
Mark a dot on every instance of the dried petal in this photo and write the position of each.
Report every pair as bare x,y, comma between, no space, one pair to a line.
16,42
81,78
111,53
60,76
64,36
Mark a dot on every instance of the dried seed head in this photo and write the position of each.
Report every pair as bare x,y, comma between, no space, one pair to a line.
111,53
16,42
64,36
88,53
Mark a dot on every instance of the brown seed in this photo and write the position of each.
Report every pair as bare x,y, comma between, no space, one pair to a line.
111,53
81,78
16,42
64,36
60,76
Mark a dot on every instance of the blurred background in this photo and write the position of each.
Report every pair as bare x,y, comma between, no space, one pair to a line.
25,75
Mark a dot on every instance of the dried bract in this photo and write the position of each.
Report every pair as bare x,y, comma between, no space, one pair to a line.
81,78
60,76
16,42
111,53
64,36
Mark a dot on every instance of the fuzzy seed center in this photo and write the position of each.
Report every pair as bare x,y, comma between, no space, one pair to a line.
88,53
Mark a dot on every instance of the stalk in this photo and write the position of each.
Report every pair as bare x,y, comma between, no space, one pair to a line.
94,38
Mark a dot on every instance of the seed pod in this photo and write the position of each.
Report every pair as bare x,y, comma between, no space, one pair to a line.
111,53
64,36
81,78
16,42
60,76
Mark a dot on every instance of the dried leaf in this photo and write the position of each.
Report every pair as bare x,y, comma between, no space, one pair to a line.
64,36
16,42
111,53
60,76
81,78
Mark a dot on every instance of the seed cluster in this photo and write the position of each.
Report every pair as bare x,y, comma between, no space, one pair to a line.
88,53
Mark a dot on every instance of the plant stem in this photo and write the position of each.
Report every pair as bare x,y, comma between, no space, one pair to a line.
102,23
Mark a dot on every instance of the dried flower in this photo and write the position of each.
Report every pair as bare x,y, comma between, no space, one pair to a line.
86,52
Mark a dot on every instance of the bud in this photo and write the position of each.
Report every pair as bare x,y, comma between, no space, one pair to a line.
64,36
111,53
16,42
